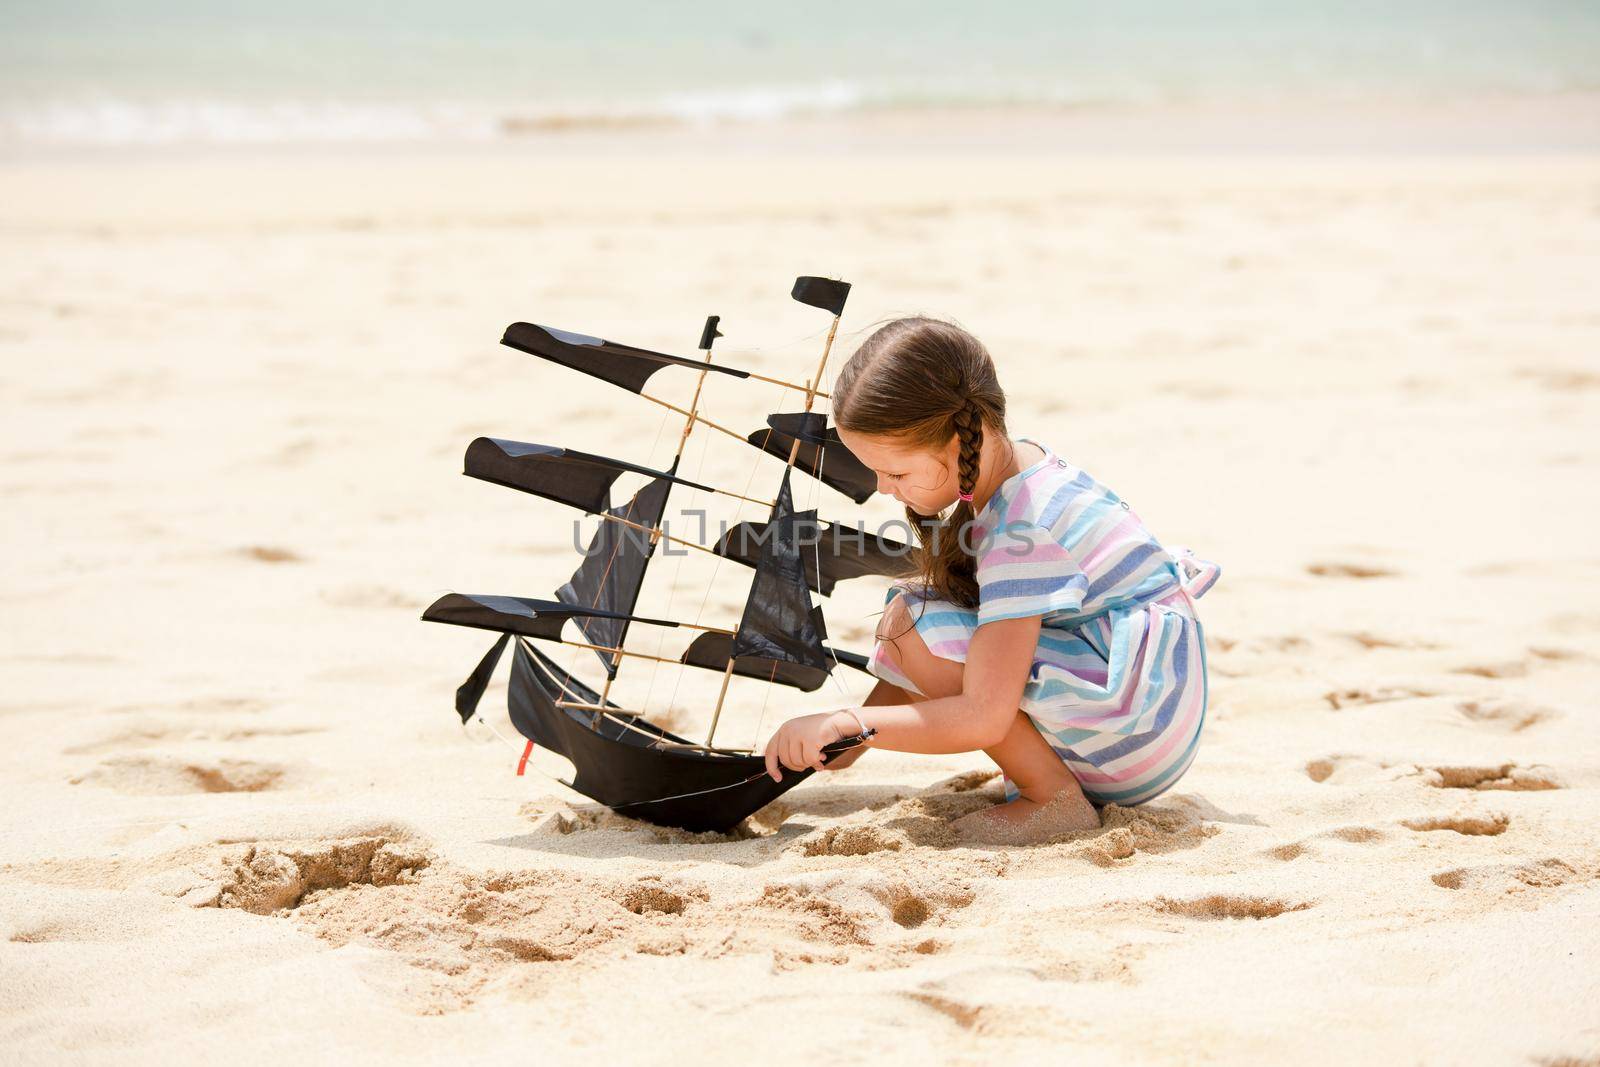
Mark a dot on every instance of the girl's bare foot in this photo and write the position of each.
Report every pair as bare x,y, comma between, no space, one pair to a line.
1023,821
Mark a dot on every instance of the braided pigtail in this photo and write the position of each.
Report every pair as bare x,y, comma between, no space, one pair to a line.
924,382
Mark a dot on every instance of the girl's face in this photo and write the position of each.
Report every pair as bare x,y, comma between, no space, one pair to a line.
927,481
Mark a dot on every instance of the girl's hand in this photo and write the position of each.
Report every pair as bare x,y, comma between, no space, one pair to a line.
798,742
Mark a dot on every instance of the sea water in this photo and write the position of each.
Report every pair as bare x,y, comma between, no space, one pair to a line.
101,72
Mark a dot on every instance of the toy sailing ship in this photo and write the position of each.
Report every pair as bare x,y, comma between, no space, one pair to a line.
621,759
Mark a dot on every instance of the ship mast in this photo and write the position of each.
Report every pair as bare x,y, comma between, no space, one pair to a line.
708,337
811,392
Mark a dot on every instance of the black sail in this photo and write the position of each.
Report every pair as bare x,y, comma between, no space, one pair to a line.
821,454
613,569
618,364
830,552
779,621
507,614
542,619
712,651
565,475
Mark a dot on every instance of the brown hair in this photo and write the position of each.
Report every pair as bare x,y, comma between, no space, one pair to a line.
922,381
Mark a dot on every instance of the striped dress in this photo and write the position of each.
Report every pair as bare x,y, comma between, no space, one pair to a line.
1118,684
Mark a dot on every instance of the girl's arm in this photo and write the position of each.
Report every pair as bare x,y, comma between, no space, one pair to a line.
999,659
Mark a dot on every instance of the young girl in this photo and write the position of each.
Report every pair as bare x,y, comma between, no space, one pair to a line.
1045,626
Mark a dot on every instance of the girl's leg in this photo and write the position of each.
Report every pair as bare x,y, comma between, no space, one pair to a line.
1023,754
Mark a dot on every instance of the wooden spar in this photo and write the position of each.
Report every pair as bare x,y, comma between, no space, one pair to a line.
722,695
620,652
794,451
736,435
789,385
655,532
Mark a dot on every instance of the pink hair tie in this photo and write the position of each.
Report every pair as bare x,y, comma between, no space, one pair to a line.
965,496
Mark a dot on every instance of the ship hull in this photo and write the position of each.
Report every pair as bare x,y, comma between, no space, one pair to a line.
625,769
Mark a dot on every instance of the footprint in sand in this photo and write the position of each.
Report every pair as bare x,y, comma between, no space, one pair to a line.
1556,654
1227,906
1343,698
850,906
158,776
204,705
154,734
1506,714
271,554
1492,824
1501,776
1345,770
1519,668
1502,669
1370,641
1356,835
1516,877
1350,570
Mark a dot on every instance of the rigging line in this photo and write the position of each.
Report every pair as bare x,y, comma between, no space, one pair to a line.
755,468
520,749
776,345
736,435
794,450
677,574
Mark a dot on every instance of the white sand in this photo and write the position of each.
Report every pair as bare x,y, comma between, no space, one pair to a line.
243,825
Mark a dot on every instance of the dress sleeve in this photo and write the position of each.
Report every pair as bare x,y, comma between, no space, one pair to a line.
1025,571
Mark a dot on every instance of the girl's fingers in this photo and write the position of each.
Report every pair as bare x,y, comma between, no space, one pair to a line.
771,756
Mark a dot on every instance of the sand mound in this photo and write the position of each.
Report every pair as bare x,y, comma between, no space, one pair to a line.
269,878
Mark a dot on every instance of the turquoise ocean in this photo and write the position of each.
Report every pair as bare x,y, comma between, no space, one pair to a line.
93,72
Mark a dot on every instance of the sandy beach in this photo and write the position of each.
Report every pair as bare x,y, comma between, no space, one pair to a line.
243,824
